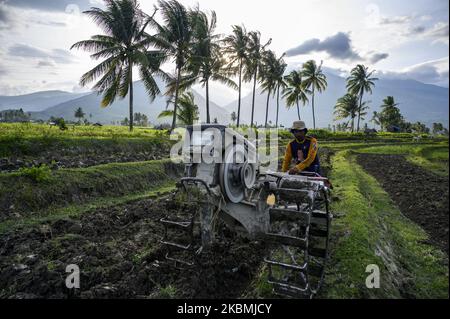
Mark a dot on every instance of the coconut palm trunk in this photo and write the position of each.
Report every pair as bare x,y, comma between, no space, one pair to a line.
359,108
253,98
207,102
267,108
313,114
298,110
174,119
239,99
278,105
131,95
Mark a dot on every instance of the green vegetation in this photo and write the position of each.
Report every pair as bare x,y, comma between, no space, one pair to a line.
168,292
10,116
373,229
315,81
37,173
236,48
29,130
295,91
271,78
348,107
78,185
28,139
79,114
187,110
55,212
359,82
206,62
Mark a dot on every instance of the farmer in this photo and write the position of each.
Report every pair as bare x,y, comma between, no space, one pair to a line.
303,149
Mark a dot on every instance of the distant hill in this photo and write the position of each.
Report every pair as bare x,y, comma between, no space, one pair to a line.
37,101
119,109
418,102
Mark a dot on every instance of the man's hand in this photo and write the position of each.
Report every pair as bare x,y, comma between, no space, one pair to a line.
294,170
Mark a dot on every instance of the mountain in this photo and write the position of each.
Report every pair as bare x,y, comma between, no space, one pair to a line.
37,101
119,109
417,101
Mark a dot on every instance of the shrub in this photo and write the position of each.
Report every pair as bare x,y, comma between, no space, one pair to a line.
37,173
61,124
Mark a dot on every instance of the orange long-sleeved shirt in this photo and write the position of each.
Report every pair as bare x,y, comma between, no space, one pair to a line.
306,153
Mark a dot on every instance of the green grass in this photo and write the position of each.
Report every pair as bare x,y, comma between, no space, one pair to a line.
26,139
168,292
44,130
373,231
431,155
76,210
66,186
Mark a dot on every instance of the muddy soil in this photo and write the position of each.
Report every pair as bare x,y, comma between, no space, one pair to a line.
119,256
421,195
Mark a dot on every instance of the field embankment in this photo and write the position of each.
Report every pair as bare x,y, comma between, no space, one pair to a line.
27,145
24,194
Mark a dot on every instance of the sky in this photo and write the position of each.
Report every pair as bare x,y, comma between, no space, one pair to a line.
404,39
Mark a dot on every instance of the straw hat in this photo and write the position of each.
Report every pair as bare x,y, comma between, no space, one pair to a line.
298,125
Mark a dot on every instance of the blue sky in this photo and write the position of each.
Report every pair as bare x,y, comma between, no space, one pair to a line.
398,38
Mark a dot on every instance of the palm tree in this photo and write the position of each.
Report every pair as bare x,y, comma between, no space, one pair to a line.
389,102
123,46
187,112
253,62
314,79
206,62
390,114
79,114
358,82
295,90
174,39
233,117
267,76
280,83
236,47
377,119
347,107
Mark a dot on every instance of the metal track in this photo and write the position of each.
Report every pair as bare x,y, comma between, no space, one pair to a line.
179,235
299,234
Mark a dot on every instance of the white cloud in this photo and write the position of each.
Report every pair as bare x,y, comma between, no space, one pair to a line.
431,72
28,51
395,20
439,31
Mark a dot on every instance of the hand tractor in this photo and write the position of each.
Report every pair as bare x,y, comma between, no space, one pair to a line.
288,212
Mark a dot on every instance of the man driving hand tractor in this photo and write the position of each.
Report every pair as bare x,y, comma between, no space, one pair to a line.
303,149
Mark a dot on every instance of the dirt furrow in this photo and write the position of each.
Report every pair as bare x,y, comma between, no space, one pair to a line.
421,195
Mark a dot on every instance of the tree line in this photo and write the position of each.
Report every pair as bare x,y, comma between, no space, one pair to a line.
11,116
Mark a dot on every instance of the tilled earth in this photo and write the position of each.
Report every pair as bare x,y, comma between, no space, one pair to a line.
421,195
119,256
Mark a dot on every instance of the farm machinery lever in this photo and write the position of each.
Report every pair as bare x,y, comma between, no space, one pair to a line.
288,212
